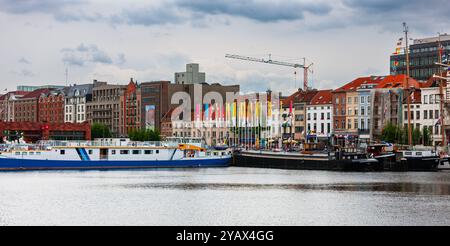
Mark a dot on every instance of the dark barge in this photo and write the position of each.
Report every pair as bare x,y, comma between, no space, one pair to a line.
332,161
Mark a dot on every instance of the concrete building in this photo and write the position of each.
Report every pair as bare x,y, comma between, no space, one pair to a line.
76,99
320,115
105,106
191,76
130,108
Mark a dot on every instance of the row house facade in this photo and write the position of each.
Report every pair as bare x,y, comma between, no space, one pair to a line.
295,114
320,115
51,107
76,99
130,108
7,105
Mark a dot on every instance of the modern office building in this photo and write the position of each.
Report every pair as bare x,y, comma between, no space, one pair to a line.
423,55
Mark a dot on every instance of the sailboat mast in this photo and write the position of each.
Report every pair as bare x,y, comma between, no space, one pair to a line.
407,84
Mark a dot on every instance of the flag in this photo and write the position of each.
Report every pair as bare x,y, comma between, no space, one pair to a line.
439,121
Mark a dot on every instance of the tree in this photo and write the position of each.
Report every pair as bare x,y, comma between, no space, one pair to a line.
426,135
100,131
416,136
390,133
144,135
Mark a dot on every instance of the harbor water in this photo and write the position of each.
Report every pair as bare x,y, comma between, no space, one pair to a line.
224,196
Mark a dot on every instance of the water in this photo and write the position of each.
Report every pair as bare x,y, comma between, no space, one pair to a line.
223,196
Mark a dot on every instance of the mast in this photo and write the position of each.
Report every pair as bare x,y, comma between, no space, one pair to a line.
441,94
405,27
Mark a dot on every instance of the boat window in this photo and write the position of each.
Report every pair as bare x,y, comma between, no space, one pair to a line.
113,152
31,153
38,153
408,153
124,152
157,151
215,153
17,153
62,152
24,153
418,153
148,152
136,152
90,152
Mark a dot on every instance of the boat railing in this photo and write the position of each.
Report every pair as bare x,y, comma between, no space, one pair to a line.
52,143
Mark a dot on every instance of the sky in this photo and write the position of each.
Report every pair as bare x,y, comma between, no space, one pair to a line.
151,40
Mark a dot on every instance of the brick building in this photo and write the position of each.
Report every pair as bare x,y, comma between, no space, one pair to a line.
51,107
26,108
130,108
7,103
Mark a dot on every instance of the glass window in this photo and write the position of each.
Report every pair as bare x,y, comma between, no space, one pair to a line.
113,152
124,152
136,152
90,152
148,152
157,151
62,152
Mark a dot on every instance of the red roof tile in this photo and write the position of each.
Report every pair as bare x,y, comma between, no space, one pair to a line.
399,81
356,84
322,97
36,93
2,97
300,96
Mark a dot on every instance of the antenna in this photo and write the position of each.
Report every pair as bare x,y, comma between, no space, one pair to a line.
67,74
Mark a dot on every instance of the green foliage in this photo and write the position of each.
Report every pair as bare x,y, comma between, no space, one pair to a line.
396,134
144,135
100,131
390,133
426,134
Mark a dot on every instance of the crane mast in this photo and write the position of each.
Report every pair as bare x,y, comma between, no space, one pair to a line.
280,63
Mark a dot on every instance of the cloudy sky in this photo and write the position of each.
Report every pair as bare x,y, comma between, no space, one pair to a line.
150,40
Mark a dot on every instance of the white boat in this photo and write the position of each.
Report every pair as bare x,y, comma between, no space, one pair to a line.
111,154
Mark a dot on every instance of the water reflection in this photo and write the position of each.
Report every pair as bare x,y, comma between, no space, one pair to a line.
420,188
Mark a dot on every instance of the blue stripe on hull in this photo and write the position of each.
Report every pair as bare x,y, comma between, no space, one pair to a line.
20,164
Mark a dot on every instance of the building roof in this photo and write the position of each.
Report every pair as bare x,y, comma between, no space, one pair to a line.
359,82
83,90
399,81
299,97
36,93
21,93
322,97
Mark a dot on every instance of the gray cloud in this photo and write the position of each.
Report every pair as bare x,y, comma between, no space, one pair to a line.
263,11
85,53
24,61
121,59
419,14
26,73
42,6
